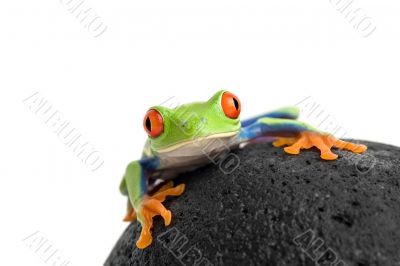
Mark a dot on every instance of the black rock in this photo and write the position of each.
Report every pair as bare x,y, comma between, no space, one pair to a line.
278,209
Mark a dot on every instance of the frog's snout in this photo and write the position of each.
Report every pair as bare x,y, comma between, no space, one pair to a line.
192,124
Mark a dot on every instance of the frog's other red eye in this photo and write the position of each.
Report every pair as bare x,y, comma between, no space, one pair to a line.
231,105
153,123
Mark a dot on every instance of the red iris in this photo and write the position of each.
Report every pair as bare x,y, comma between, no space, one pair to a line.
153,123
231,105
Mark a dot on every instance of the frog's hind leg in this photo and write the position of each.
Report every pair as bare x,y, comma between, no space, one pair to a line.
302,136
323,141
289,112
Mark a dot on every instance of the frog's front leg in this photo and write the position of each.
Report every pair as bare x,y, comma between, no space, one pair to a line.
146,206
131,214
298,135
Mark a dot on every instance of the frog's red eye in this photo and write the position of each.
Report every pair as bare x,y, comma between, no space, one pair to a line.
231,105
153,123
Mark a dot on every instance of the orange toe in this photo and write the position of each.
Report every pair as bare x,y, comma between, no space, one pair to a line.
291,150
130,217
329,156
360,148
144,240
130,214
283,141
173,191
167,216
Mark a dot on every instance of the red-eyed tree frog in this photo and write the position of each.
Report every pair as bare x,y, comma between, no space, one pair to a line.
186,137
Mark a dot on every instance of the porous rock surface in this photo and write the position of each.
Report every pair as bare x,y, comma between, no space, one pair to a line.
279,209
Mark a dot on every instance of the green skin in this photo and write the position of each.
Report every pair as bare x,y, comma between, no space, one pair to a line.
192,134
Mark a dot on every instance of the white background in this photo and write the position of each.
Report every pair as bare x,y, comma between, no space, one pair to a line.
269,53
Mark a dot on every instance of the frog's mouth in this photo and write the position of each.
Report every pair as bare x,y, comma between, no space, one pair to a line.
203,144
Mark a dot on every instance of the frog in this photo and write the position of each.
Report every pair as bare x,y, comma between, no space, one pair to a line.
189,136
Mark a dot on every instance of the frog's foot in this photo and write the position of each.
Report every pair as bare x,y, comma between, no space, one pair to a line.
324,142
151,206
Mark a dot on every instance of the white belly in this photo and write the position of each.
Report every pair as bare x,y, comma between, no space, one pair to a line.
193,154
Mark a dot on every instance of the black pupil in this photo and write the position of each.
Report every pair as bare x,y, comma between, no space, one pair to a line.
236,103
148,124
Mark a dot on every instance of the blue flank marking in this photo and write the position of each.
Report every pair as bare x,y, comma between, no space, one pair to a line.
147,165
151,163
273,114
258,129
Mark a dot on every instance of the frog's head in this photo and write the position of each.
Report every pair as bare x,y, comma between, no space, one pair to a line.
169,129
